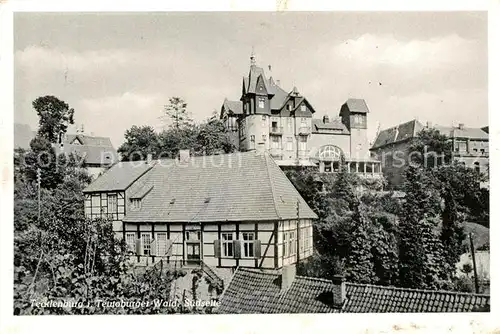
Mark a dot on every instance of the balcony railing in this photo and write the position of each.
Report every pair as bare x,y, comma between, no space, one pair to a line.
304,130
276,130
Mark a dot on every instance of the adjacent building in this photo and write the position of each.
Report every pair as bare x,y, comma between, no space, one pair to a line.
223,211
267,117
257,291
392,147
96,153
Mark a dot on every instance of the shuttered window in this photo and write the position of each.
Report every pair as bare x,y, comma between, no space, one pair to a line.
146,243
248,244
227,245
161,243
130,241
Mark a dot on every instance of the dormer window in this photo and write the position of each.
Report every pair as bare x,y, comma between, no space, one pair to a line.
135,204
303,107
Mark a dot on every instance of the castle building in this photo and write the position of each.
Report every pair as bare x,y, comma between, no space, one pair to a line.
268,118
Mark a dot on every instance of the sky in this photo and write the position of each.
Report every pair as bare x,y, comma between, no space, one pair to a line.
119,69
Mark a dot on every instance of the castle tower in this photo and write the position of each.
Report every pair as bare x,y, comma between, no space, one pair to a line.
256,96
354,116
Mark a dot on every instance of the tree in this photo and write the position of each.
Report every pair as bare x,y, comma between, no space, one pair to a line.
421,255
176,111
213,138
54,117
359,258
139,142
433,148
452,232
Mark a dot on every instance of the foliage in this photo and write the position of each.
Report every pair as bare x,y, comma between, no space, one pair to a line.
208,138
54,117
421,258
433,148
139,142
176,111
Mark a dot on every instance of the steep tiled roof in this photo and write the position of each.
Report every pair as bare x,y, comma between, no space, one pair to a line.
334,127
119,177
234,107
88,140
253,291
101,155
397,133
228,187
357,105
410,129
23,136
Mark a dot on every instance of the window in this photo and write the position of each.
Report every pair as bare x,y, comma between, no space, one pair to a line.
292,243
289,144
112,204
302,143
227,244
303,121
275,142
328,167
130,241
286,247
482,151
161,243
242,129
302,107
264,137
288,107
261,102
461,146
135,204
274,125
289,124
248,244
146,243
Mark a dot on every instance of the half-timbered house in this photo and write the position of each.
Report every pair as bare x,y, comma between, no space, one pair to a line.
224,211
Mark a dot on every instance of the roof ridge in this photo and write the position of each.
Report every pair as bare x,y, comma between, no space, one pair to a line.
256,271
266,161
387,287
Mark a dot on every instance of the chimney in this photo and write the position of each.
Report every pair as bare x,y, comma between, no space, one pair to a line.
287,276
339,294
184,156
326,119
460,126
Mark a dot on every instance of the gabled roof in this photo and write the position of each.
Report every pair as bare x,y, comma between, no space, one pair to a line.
255,291
408,130
468,133
334,127
23,136
233,107
119,176
96,155
357,105
88,140
227,187
397,133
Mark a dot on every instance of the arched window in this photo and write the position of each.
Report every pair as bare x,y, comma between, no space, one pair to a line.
329,153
